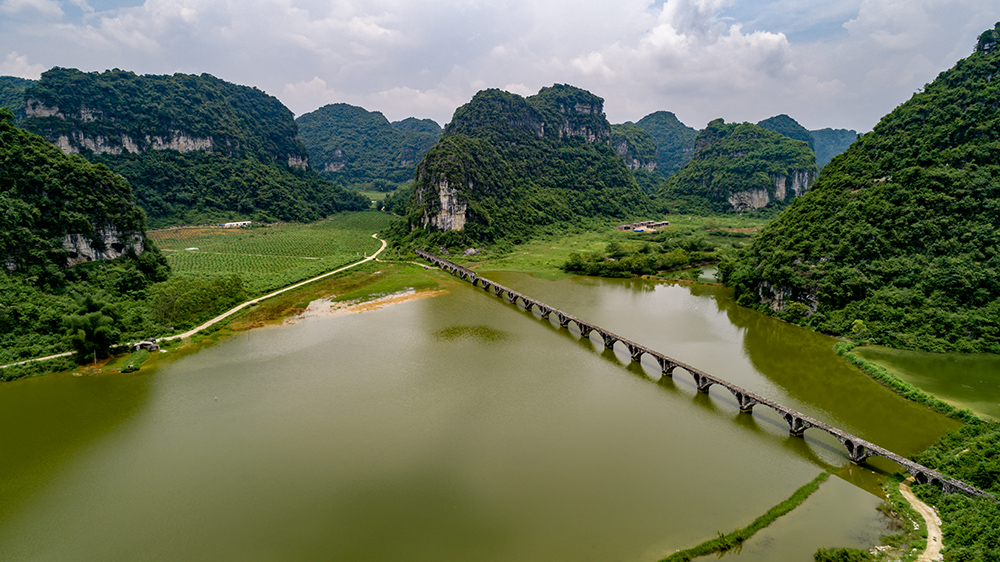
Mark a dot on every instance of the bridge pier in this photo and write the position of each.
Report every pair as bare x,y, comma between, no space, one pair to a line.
512,297
498,290
636,353
703,382
545,312
486,285
609,340
746,403
796,425
666,367
856,452
563,320
585,329
527,304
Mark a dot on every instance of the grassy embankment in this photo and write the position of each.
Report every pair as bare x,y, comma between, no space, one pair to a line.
733,539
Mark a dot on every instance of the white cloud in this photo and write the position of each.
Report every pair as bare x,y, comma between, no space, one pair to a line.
27,8
17,65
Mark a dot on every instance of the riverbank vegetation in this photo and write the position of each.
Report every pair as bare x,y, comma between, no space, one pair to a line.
971,526
901,387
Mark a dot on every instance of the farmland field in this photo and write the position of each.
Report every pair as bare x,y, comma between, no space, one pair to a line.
271,257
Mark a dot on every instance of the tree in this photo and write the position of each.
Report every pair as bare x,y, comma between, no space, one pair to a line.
91,330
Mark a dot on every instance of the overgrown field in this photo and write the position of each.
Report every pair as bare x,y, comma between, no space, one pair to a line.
546,255
271,257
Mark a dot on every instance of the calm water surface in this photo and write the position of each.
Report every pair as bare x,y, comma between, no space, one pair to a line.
452,428
964,380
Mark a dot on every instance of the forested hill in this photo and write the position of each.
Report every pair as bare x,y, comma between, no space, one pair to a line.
508,165
789,127
12,94
898,241
59,210
739,167
194,148
674,140
354,146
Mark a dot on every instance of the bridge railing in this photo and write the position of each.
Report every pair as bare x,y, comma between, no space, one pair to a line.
858,450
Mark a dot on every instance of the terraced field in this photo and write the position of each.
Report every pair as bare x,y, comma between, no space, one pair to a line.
271,257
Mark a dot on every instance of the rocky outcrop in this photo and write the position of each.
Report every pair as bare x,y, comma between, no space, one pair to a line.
298,162
799,183
749,200
106,244
451,213
99,144
777,298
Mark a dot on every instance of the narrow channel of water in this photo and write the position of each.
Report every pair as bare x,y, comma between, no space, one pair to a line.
451,428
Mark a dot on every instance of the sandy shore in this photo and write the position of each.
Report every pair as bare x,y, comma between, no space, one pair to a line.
326,307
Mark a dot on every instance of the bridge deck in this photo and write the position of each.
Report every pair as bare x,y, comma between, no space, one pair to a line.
858,449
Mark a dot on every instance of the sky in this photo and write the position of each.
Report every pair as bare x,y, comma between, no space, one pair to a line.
826,63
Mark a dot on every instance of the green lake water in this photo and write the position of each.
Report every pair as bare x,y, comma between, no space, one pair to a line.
451,428
964,380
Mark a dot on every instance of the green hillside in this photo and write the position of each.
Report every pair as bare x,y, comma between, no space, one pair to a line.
638,151
508,165
351,145
739,167
674,140
194,148
789,127
57,211
12,94
830,142
898,241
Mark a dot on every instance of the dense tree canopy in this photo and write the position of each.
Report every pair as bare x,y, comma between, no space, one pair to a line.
520,163
351,145
733,158
899,237
12,94
193,147
674,140
789,127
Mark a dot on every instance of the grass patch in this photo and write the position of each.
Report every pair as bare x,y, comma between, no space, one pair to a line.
134,361
901,387
728,541
365,282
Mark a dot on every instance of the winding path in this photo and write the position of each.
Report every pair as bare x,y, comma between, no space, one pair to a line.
933,522
235,309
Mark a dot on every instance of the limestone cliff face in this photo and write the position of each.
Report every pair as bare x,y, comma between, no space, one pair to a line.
105,244
450,206
635,146
786,187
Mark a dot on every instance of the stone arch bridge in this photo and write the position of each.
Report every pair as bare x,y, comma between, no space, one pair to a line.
858,450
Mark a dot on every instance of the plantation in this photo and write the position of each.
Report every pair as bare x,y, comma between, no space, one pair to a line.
271,257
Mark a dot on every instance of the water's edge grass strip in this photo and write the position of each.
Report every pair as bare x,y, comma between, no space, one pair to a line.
726,542
901,387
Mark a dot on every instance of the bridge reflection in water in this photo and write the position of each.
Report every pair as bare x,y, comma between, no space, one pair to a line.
858,450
